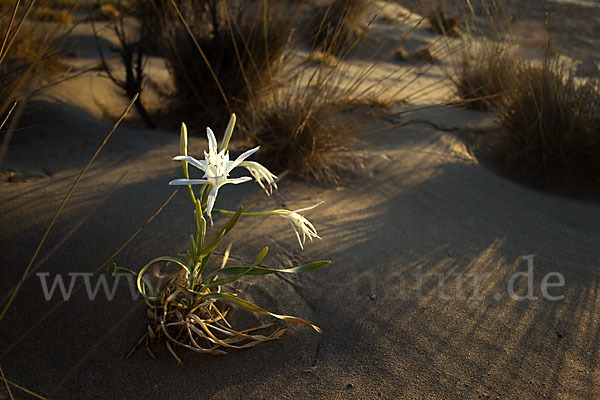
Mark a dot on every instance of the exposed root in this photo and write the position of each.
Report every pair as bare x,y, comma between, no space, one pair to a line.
201,328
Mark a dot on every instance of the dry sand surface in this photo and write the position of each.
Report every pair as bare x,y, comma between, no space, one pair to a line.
423,240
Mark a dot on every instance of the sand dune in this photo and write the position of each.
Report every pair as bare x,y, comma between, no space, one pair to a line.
416,303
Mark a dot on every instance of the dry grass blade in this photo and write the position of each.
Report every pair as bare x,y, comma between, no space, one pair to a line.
100,268
61,206
334,27
14,80
20,108
9,26
72,231
6,383
89,352
138,344
21,388
202,54
7,117
7,43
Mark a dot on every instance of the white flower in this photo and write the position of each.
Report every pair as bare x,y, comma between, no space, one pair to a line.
216,167
299,223
259,172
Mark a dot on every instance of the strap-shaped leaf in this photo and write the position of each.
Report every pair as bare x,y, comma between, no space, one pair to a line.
113,270
261,256
266,271
232,221
244,271
254,308
225,230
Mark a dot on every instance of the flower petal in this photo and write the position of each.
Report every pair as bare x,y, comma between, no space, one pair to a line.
309,207
212,196
200,164
176,182
241,158
212,141
235,181
297,235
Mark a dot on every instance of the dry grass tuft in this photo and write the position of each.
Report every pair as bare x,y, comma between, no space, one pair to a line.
312,146
440,20
61,16
550,125
552,128
309,140
28,50
309,129
485,74
236,50
336,26
27,39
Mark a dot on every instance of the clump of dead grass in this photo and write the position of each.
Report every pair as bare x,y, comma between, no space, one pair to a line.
26,41
440,18
334,27
550,124
27,51
61,16
228,57
551,128
310,141
485,73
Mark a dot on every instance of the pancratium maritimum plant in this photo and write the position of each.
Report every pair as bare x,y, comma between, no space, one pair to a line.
182,305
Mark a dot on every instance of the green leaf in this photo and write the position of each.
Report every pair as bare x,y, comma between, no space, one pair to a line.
247,270
193,244
261,256
113,269
266,271
202,266
225,230
233,220
254,308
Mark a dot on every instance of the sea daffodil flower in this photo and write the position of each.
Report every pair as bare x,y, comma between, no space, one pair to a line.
300,223
217,166
259,172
